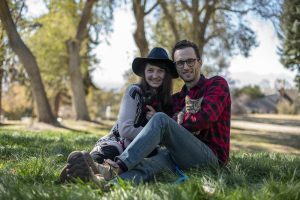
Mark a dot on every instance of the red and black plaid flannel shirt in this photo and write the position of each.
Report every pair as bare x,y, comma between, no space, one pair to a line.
213,119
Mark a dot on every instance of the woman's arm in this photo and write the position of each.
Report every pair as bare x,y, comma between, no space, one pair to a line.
127,113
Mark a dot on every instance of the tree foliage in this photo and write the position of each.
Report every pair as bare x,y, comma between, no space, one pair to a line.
140,10
220,28
98,100
10,69
59,25
253,92
48,45
290,37
23,107
29,62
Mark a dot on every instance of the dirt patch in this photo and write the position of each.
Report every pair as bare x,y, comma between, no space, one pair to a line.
260,133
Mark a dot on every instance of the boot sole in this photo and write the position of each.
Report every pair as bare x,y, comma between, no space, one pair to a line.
87,164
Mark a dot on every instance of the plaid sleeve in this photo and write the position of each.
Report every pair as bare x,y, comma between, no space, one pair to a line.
214,101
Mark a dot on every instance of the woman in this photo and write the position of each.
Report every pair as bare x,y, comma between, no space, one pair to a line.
139,103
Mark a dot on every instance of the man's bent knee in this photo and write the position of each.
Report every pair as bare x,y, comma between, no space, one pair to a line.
160,116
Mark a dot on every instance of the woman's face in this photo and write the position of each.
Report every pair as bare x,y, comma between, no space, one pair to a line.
154,75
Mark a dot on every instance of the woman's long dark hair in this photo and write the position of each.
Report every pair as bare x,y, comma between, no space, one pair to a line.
165,90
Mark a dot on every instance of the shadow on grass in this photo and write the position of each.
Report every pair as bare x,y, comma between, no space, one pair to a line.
75,127
71,129
5,124
284,139
97,122
251,148
15,144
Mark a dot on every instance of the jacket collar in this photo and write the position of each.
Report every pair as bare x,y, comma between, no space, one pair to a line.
199,84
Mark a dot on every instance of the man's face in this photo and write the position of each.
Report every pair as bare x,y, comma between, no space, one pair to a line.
187,64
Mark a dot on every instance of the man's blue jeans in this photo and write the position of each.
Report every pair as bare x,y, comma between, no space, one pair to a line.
182,149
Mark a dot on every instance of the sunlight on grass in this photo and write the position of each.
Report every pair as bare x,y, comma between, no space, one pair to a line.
276,116
31,162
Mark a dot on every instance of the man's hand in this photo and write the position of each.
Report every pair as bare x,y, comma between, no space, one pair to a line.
150,113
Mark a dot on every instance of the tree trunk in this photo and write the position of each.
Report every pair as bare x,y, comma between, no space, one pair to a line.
1,77
77,88
139,34
30,64
74,45
1,69
56,103
171,19
209,11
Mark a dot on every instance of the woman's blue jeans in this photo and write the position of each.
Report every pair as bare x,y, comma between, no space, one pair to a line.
182,148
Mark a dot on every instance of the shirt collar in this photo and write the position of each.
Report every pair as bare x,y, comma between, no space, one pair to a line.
200,83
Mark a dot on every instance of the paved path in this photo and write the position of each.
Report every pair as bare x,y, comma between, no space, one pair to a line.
265,127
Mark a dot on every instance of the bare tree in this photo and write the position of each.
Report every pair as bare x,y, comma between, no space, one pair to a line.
28,60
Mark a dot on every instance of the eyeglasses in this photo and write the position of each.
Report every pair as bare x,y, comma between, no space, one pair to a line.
190,62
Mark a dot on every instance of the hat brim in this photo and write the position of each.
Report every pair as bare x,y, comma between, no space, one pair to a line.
138,65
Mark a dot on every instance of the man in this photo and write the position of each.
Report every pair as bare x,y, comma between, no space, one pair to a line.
202,138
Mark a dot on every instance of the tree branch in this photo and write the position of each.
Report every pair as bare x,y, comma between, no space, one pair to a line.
19,14
152,8
210,9
235,10
170,19
185,5
206,40
85,17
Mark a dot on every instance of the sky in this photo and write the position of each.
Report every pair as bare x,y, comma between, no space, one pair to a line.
261,68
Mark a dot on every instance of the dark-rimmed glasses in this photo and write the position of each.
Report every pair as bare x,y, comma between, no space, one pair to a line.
190,62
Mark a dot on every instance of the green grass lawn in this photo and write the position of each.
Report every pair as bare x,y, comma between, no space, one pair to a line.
30,163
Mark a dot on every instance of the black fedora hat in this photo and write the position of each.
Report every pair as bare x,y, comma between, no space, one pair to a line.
157,54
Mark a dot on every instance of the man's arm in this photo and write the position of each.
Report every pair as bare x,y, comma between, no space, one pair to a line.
214,101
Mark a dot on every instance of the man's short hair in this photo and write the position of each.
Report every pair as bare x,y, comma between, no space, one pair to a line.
185,44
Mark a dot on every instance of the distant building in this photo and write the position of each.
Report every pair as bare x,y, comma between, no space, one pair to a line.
267,104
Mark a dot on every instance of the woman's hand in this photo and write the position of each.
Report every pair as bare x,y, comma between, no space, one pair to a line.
150,113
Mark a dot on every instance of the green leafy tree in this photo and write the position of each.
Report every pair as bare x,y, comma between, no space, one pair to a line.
74,46
253,92
289,34
56,28
48,43
11,70
28,60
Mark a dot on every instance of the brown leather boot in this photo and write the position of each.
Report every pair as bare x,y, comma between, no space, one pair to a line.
80,165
